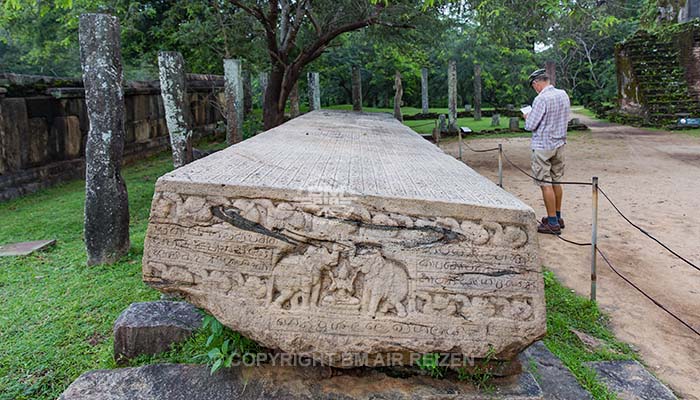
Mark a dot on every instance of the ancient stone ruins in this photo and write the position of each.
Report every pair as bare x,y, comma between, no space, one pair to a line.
347,236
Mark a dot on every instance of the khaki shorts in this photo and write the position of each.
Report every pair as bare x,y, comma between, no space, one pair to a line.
548,165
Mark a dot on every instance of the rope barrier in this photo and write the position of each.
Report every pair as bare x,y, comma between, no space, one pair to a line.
482,150
597,249
645,232
542,180
564,239
661,306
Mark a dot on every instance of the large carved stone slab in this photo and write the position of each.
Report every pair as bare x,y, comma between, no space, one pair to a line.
348,236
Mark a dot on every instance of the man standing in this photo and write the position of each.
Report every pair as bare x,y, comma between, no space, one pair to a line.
548,122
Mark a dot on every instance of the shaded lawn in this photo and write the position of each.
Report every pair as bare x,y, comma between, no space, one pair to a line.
404,110
57,313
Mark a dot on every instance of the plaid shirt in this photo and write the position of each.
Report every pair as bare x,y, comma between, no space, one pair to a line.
548,119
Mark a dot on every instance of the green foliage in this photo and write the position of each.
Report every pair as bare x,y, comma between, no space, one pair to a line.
58,313
509,39
480,375
225,346
567,311
431,363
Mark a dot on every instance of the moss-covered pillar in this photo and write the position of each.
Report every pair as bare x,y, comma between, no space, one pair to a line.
173,90
398,96
247,93
233,88
452,95
263,79
425,107
314,91
356,88
106,199
294,101
477,92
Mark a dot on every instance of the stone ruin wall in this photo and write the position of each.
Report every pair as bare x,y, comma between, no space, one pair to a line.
658,75
44,125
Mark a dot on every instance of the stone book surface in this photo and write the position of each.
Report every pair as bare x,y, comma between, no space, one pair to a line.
346,237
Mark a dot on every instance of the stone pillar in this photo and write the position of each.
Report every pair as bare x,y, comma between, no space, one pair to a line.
4,165
294,101
443,123
398,96
356,89
424,90
247,93
263,87
173,89
106,199
452,95
477,92
514,124
551,69
496,120
233,87
314,91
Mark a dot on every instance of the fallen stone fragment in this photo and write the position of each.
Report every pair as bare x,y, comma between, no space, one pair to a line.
631,381
24,248
194,382
347,236
556,381
591,343
152,327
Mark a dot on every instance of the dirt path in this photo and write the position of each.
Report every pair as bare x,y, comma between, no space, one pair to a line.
654,177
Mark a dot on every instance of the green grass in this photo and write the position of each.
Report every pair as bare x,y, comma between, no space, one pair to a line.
57,313
566,311
584,111
404,110
426,126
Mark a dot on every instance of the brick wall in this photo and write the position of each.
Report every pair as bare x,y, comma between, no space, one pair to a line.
43,126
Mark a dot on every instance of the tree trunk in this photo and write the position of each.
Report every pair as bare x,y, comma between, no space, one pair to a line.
551,69
273,107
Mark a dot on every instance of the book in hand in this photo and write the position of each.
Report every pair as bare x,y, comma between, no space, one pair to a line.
526,110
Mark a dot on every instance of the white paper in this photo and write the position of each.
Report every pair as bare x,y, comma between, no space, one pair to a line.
526,110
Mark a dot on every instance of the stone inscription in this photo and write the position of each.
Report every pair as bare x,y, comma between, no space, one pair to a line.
345,233
257,248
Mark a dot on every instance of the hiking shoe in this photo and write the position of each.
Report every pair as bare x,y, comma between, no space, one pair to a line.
561,222
546,227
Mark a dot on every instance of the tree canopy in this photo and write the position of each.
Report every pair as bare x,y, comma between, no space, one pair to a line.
287,38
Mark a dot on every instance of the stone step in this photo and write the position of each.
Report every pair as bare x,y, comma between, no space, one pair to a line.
194,382
556,381
630,380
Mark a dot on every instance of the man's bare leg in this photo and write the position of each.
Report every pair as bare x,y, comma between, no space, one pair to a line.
550,200
558,193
